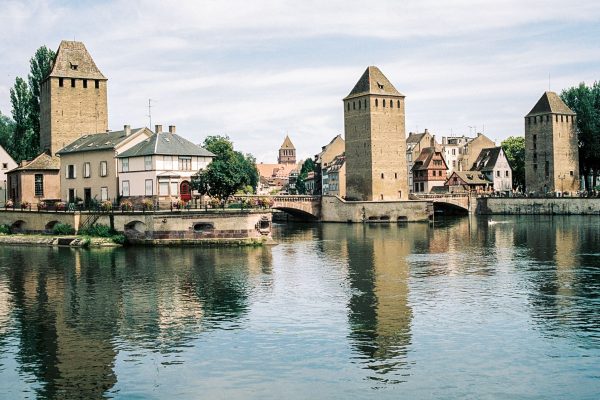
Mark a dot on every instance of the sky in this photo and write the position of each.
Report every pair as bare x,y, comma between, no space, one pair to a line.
258,70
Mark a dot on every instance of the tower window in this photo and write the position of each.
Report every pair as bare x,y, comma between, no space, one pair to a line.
535,167
571,173
72,82
395,175
97,84
354,105
60,82
359,104
529,120
391,104
365,104
348,106
398,103
547,118
85,83
383,103
557,118
561,118
547,168
376,103
382,175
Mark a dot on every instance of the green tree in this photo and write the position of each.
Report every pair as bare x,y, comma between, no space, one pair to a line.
307,166
20,100
229,171
7,127
40,66
514,148
585,101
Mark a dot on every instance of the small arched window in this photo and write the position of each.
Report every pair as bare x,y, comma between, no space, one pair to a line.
398,103
359,104
376,103
383,103
365,104
391,104
354,105
348,106
382,175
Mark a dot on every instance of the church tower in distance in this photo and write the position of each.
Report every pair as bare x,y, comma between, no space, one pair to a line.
287,152
73,98
551,147
374,125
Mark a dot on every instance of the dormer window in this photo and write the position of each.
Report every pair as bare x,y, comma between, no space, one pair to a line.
74,66
379,85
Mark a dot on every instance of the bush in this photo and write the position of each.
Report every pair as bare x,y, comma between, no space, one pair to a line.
119,238
63,229
106,205
5,229
97,230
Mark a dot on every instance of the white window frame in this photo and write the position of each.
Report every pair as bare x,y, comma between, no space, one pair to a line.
87,170
124,192
125,165
103,168
161,186
151,191
168,163
148,163
71,168
103,193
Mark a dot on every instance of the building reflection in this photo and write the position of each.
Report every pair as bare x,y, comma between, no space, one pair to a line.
76,310
378,309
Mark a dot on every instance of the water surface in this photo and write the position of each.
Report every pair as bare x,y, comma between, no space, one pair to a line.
473,308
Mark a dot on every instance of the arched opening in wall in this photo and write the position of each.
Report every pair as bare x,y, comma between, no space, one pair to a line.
49,226
135,227
402,218
200,227
185,191
264,226
384,218
18,226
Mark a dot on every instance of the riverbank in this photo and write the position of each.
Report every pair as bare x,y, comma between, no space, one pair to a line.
52,240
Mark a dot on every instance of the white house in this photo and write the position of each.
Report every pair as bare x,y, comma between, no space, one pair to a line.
492,162
6,164
161,167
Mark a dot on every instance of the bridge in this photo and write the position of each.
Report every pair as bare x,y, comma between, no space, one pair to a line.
302,206
449,203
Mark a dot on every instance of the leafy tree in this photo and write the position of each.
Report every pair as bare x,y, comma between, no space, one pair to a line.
20,98
40,66
7,127
585,101
229,172
307,166
514,148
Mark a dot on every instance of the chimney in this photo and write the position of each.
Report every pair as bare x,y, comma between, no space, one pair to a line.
172,129
426,130
127,130
157,128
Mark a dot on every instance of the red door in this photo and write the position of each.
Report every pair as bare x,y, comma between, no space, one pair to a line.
185,192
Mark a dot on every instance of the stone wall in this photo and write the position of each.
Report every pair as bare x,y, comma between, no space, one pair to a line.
550,206
334,209
172,227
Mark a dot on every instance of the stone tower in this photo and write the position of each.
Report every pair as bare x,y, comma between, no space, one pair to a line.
551,149
73,98
375,140
287,152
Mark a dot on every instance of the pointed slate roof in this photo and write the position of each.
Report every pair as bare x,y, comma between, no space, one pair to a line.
73,61
373,81
425,157
166,143
99,141
486,161
287,144
550,102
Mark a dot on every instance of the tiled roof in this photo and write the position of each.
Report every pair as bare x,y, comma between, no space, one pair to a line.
373,81
424,159
275,170
99,141
287,143
414,138
550,102
166,143
470,177
73,61
41,162
486,161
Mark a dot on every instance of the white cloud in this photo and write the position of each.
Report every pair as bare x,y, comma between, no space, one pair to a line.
257,70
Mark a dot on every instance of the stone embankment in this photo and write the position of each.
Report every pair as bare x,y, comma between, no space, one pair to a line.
542,206
48,240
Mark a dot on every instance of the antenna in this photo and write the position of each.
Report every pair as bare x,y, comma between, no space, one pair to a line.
150,112
549,81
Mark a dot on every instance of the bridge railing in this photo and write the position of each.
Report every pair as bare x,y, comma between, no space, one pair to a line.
283,198
444,196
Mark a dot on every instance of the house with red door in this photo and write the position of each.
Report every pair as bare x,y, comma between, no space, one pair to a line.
429,170
160,168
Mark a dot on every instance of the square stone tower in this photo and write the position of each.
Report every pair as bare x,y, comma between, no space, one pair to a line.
375,140
551,147
73,98
287,152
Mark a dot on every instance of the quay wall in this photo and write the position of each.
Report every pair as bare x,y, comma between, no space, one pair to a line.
155,227
334,209
532,206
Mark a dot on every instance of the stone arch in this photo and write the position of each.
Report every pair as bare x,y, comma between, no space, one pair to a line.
136,226
18,226
50,225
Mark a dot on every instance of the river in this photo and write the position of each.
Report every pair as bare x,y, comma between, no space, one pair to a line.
501,308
